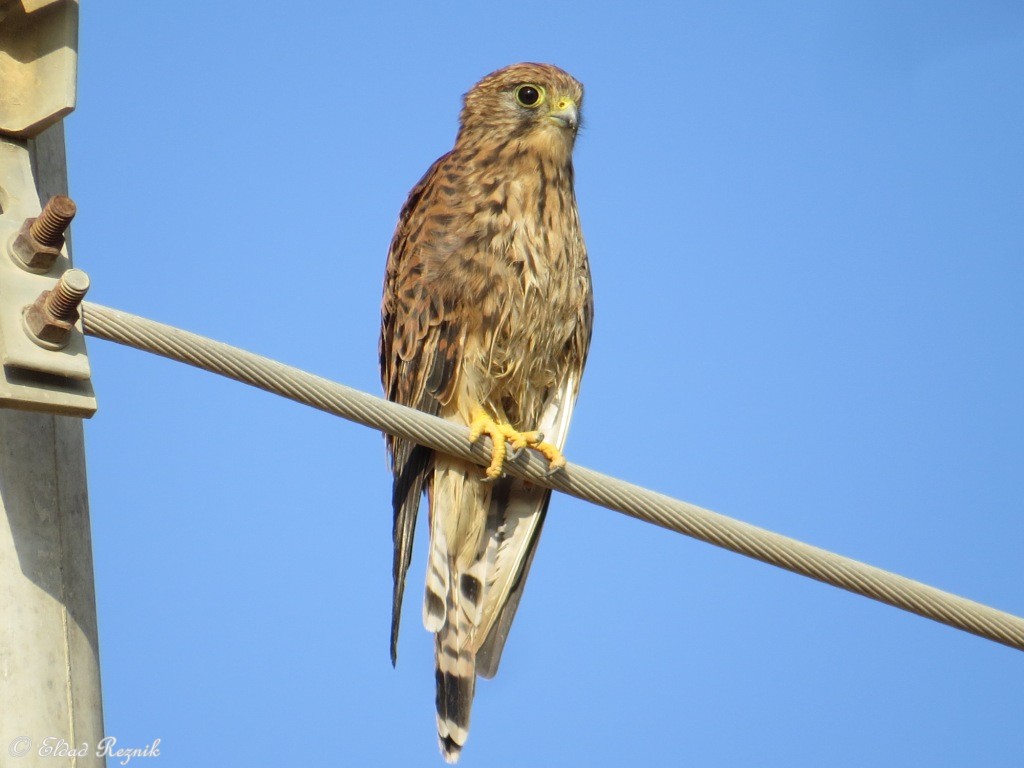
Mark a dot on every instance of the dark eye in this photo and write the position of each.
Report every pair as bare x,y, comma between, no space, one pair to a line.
529,95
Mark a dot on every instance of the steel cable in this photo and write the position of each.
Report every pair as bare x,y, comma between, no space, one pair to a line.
680,516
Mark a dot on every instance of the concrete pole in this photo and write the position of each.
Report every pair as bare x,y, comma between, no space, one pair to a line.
50,708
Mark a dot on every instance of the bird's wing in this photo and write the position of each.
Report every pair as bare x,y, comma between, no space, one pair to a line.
419,360
517,512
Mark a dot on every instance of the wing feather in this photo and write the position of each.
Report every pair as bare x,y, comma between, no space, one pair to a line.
521,509
420,350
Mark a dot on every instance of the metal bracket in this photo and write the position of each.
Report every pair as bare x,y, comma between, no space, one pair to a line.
33,377
38,64
38,72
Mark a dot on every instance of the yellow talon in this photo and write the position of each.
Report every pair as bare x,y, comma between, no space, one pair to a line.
483,424
554,456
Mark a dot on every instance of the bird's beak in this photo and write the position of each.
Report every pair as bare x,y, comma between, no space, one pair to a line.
565,113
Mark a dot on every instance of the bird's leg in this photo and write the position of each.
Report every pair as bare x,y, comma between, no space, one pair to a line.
483,424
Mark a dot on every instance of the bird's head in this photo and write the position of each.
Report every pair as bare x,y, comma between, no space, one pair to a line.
536,105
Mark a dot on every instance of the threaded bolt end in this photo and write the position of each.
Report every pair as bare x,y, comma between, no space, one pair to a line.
65,297
49,227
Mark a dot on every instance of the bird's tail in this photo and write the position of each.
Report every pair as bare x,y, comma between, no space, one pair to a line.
456,681
453,603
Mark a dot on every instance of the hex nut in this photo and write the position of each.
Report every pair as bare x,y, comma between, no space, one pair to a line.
46,330
30,253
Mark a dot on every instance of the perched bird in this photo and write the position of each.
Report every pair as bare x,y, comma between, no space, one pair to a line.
486,321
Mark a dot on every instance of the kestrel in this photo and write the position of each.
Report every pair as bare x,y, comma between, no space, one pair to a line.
486,321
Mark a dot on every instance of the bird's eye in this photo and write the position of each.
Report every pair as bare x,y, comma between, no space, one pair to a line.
530,95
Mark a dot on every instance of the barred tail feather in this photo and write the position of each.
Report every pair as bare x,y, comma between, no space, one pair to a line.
456,657
456,683
456,580
436,597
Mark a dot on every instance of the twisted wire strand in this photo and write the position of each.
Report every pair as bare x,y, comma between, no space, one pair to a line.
680,516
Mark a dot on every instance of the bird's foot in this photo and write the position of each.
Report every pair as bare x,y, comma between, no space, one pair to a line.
501,434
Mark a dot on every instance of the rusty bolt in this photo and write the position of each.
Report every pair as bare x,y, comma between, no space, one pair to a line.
49,228
38,241
50,318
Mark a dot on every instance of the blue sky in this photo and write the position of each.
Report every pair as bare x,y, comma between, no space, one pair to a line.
806,227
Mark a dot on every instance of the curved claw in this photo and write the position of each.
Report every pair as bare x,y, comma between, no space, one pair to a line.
503,437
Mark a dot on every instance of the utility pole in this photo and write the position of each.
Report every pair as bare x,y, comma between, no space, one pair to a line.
50,706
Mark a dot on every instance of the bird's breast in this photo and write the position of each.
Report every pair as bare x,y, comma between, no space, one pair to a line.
541,286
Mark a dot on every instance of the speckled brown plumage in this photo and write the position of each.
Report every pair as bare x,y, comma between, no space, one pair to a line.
487,305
